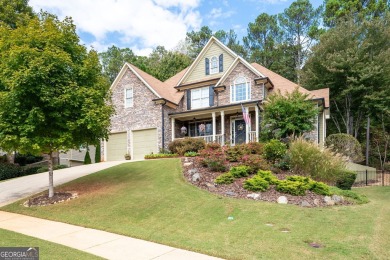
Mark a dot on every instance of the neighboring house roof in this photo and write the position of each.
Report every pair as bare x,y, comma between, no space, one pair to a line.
322,93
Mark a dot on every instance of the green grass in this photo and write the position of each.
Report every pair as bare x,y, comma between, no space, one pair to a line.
47,250
152,201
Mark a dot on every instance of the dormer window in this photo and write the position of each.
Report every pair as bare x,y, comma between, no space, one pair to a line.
214,65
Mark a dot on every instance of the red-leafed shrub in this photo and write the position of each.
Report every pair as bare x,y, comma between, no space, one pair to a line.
214,159
255,162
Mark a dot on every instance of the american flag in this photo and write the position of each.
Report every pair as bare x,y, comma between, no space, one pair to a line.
245,115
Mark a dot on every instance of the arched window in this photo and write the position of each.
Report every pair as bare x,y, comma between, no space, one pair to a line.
240,90
213,65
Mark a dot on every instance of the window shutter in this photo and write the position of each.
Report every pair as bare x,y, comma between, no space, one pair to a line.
207,66
221,63
188,99
211,96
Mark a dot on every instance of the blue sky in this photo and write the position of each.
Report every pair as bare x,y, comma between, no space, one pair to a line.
144,24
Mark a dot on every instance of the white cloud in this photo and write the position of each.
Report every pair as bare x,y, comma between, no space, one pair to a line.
141,24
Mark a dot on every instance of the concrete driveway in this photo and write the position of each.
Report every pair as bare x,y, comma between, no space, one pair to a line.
15,189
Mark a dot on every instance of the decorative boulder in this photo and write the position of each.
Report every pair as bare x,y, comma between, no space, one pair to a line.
231,193
282,200
196,177
328,200
305,204
254,196
337,199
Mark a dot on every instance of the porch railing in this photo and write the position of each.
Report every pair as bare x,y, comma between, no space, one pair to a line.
208,138
252,136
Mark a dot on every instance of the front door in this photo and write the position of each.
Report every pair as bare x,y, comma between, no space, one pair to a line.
239,131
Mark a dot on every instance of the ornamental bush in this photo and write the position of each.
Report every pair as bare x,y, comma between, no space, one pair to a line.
268,176
234,153
8,171
295,188
320,188
308,159
181,146
160,155
255,162
256,183
346,180
225,178
274,150
214,159
240,171
346,145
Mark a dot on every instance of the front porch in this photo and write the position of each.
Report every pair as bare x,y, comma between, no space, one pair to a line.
225,126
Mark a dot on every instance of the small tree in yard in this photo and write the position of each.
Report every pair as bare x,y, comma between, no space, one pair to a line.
346,145
288,114
52,94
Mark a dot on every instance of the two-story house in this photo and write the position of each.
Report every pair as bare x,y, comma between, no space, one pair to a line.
205,100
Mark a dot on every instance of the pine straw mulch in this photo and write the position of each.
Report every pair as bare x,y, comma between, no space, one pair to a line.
44,200
236,190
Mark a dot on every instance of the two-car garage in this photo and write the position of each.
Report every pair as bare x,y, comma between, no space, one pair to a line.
142,142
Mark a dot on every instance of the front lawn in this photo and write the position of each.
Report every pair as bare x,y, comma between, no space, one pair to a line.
151,200
47,250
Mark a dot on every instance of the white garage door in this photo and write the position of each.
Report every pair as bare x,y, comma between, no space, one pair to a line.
144,142
116,147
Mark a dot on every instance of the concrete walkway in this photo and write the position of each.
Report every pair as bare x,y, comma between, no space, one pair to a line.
19,188
100,243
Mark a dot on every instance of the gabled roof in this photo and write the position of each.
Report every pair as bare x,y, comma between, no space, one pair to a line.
284,85
233,65
200,55
163,90
322,93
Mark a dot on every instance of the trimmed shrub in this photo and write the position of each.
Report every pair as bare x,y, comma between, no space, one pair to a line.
87,158
213,146
160,155
253,148
255,162
181,146
320,188
346,145
191,154
268,176
346,180
284,163
214,159
308,159
234,153
46,169
304,180
274,150
240,171
295,188
225,178
256,183
8,171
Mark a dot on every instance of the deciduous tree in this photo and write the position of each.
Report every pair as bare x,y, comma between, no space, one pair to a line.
54,96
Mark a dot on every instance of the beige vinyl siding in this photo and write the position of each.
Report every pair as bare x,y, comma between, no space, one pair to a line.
198,72
321,137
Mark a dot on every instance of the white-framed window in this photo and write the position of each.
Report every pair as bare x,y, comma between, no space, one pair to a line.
128,97
214,65
200,97
240,90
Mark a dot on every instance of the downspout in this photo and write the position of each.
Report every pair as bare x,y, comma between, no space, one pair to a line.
260,110
162,126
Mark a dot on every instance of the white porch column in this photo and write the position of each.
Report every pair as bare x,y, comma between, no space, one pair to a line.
223,127
173,128
214,126
257,122
247,127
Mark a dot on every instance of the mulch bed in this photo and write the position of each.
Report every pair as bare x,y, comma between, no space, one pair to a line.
44,200
236,189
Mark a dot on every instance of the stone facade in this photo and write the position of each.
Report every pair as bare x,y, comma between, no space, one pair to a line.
143,114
